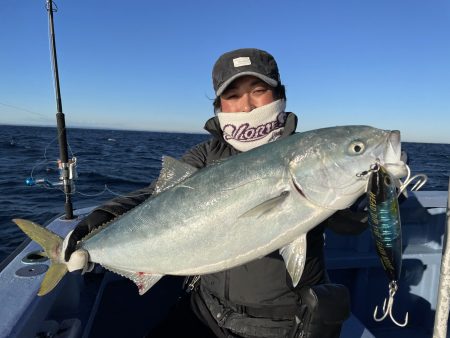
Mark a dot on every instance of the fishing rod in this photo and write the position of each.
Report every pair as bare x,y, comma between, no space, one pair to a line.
66,166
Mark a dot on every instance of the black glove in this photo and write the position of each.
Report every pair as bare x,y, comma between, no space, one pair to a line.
347,222
91,222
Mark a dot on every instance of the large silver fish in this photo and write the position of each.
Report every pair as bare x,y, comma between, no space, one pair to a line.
235,211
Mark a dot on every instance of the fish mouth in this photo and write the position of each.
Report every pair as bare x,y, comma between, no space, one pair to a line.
392,155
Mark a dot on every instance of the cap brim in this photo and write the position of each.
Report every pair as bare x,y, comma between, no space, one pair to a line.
266,79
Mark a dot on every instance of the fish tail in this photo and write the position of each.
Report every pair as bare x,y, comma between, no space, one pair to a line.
52,244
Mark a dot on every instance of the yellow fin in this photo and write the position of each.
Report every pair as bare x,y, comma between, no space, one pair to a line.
54,274
44,237
52,244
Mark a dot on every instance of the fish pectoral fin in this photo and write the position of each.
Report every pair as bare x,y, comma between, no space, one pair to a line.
143,280
294,255
54,274
173,172
266,206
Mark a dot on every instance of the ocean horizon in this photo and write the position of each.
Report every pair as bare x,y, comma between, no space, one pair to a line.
199,132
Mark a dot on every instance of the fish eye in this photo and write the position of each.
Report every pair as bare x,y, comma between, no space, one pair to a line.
356,148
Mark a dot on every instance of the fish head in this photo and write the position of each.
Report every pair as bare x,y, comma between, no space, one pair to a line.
329,164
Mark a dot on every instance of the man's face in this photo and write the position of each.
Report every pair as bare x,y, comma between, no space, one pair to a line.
245,94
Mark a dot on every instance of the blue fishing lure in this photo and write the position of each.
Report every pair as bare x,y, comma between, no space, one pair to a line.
385,224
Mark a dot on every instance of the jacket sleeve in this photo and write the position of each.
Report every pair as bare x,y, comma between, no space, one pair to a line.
119,205
196,157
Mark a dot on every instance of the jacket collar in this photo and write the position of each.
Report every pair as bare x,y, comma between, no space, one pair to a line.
213,126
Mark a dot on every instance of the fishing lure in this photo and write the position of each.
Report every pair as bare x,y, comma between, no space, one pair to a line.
384,221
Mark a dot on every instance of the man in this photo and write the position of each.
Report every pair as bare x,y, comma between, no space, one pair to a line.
257,299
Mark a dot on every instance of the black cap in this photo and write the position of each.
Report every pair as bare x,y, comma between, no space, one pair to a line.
246,61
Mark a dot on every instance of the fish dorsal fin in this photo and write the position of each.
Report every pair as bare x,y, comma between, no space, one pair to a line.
143,280
266,206
173,172
294,255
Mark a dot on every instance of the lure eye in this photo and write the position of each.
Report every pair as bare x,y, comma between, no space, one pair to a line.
356,148
387,181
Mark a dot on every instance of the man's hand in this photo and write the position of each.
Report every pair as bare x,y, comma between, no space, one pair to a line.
91,222
78,259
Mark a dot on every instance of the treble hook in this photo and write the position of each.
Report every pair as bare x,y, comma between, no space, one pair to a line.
421,179
387,309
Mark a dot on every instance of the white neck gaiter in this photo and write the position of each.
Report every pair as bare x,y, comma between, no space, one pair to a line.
245,131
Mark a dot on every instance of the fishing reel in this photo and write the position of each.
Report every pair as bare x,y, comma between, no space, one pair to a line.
67,173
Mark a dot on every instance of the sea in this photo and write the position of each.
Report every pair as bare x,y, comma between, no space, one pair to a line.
111,163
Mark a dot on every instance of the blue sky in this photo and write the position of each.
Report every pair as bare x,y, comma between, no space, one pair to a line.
147,64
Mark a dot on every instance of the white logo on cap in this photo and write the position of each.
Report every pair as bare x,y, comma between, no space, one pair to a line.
242,61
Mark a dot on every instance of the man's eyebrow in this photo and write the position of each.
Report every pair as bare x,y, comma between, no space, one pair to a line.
230,88
253,83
